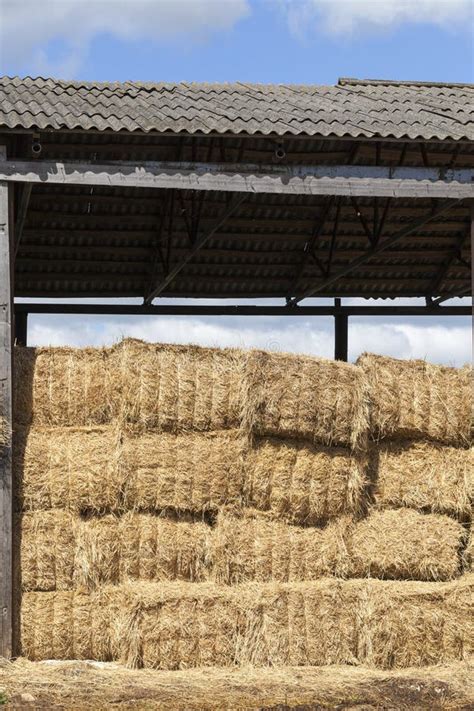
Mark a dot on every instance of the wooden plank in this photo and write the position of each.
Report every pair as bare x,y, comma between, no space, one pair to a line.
6,578
341,180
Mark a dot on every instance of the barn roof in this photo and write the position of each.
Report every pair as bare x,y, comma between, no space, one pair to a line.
353,108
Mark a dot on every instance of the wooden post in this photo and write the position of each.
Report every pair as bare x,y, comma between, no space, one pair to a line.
341,327
6,572
21,328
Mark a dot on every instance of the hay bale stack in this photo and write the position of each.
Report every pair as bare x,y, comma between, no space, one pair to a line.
425,476
68,625
74,468
255,548
417,400
304,483
185,472
398,544
304,398
175,388
468,555
60,387
404,544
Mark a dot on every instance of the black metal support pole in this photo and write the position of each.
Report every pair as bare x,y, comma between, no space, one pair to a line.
341,328
21,328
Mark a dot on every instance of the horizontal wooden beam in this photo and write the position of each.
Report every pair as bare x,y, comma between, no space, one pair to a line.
341,180
238,310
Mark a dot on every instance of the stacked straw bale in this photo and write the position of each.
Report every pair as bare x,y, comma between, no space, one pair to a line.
385,624
304,483
399,544
194,471
60,387
67,467
179,388
425,476
313,399
416,400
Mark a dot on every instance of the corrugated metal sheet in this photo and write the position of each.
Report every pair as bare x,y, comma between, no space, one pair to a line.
353,108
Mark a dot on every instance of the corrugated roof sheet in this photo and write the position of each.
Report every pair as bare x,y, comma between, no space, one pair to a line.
353,108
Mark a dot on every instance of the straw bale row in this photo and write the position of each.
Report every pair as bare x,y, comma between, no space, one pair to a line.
100,469
179,388
417,400
181,625
60,551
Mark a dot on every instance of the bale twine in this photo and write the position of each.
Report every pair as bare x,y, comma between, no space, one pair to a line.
398,544
416,400
425,476
185,472
59,387
176,388
255,548
68,625
74,468
304,483
404,544
304,398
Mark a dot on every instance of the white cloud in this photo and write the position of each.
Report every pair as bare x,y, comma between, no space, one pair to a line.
437,343
339,17
27,26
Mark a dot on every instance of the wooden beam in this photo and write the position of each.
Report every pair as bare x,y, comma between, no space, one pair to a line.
6,542
21,328
342,180
235,310
199,242
377,249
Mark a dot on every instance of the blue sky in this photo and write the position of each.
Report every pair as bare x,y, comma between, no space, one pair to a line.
281,41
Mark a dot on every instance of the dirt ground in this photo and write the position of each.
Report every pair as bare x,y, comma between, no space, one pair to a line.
91,685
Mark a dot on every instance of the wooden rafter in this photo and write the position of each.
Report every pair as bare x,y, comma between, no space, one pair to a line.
200,242
21,215
369,254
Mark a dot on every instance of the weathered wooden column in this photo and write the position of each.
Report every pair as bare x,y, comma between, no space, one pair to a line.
21,328
6,576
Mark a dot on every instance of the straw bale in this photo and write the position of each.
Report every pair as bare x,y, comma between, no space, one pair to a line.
67,625
178,388
184,472
405,544
417,400
46,549
304,398
178,625
59,387
74,468
468,555
4,431
411,624
255,548
304,483
424,475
